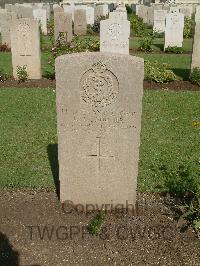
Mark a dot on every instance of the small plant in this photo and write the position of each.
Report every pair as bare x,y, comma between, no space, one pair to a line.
76,46
195,76
174,50
184,184
145,44
95,226
3,76
138,27
129,9
160,73
4,48
189,25
22,74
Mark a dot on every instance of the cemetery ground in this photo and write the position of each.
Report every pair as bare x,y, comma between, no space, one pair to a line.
41,232
37,230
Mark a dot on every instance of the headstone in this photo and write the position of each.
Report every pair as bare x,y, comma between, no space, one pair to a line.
48,10
58,8
114,36
69,9
41,16
25,47
174,30
99,106
196,43
150,14
99,11
90,15
24,12
80,22
5,24
63,23
118,15
159,21
186,11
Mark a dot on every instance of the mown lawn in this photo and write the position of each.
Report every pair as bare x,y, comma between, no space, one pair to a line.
180,63
28,136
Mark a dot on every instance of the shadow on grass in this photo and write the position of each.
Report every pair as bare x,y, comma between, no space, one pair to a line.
159,45
52,150
182,72
8,256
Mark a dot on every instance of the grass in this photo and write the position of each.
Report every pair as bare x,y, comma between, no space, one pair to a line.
28,136
158,44
180,64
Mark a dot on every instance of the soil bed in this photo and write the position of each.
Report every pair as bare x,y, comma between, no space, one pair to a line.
47,83
153,237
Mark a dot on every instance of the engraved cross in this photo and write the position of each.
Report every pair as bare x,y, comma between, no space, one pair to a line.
98,155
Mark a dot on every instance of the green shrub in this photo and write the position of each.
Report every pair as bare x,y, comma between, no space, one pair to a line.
138,27
189,25
174,50
145,44
3,76
195,76
22,74
128,9
158,72
76,46
184,184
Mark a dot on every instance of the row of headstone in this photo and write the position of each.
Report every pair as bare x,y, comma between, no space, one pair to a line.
115,32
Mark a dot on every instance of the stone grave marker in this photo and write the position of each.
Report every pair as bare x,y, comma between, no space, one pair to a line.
63,23
159,21
196,42
5,24
114,36
99,106
80,22
25,47
174,29
41,16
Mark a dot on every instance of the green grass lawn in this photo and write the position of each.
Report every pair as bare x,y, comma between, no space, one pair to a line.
28,135
158,44
180,63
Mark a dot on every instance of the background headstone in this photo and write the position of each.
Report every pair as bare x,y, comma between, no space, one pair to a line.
196,43
80,22
114,36
159,20
25,47
63,23
174,29
41,16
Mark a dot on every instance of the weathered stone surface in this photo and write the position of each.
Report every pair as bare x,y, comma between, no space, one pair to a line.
41,16
174,29
159,20
116,15
5,24
25,47
196,43
114,36
80,22
63,23
99,106
100,10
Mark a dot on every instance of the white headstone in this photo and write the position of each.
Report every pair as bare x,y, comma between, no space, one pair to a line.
41,16
174,30
159,20
114,36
